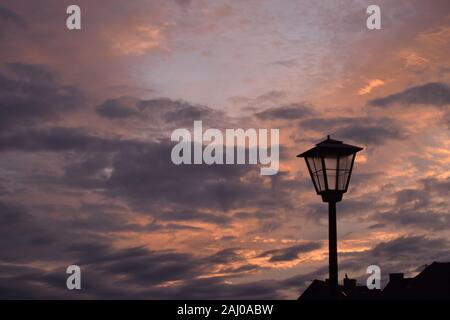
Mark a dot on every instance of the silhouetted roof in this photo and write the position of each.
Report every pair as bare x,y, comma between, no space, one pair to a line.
318,290
432,283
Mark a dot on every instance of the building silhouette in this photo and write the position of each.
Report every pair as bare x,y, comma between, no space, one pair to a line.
432,283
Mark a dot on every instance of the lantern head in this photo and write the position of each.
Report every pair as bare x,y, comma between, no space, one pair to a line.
330,165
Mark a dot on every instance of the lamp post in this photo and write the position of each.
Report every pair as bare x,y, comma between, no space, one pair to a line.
330,165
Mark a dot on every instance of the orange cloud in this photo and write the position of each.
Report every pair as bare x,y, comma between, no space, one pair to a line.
412,59
370,86
143,40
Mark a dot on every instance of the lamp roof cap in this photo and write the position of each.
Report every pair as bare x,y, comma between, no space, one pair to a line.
330,147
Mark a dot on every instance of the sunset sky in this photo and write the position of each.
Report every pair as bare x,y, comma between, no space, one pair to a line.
86,118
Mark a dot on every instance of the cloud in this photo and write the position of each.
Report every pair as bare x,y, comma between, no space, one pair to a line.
171,227
30,94
408,245
370,86
175,110
138,172
415,219
412,59
108,272
439,186
134,264
143,174
404,254
96,186
369,134
159,112
286,112
291,253
188,114
220,289
422,208
288,63
10,18
365,130
116,109
175,275
56,139
144,39
434,93
183,3
33,239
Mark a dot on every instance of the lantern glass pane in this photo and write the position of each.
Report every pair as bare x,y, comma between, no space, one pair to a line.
345,164
331,163
311,164
316,181
321,180
342,179
331,179
315,165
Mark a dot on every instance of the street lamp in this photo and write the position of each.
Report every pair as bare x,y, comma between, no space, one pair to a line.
330,165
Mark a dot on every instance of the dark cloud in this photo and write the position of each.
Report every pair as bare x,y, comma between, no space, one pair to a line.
30,94
115,109
180,112
377,226
291,253
19,282
171,227
408,246
183,3
10,18
94,217
187,113
140,173
287,112
141,273
412,196
31,73
225,256
108,273
56,139
354,206
60,233
138,281
416,219
434,93
272,95
31,238
160,112
423,208
369,135
134,264
438,186
364,130
402,254
146,175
